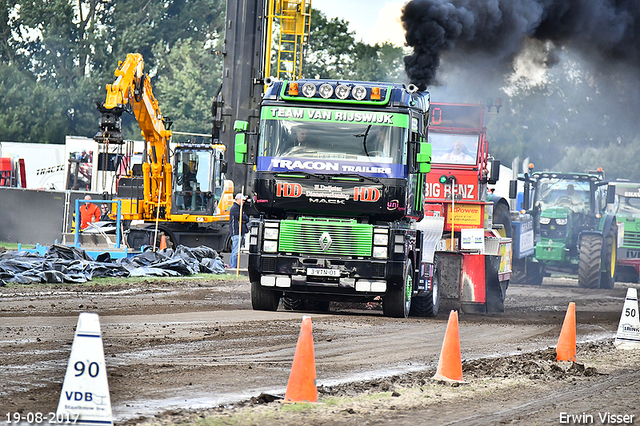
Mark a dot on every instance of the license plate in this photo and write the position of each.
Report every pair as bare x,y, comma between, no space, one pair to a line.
322,272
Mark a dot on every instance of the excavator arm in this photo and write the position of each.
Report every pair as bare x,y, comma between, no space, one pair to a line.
132,91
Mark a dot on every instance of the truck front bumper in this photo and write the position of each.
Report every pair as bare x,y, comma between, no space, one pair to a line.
325,278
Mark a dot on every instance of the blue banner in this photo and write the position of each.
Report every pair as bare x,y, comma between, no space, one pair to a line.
314,165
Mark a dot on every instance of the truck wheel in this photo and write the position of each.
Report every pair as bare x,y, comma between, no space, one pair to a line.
397,302
534,274
590,260
263,300
291,304
317,305
427,305
608,277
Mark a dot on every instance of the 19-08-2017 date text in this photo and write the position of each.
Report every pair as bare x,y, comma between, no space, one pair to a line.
41,418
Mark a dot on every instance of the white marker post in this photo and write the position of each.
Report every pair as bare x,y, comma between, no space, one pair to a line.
85,393
628,336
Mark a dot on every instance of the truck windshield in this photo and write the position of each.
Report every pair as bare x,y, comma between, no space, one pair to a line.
333,147
451,148
562,192
627,206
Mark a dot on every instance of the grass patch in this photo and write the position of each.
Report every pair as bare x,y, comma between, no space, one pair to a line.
14,246
120,281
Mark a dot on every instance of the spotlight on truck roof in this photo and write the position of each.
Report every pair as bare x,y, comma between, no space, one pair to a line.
342,91
309,90
359,93
326,91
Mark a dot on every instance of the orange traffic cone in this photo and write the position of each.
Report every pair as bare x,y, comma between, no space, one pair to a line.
450,363
302,380
566,349
163,242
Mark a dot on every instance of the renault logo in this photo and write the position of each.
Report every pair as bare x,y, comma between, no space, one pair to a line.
325,241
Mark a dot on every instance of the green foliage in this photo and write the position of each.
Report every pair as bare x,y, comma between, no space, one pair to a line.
29,110
188,79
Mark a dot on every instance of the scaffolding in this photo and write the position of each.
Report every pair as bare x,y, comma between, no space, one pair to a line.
292,18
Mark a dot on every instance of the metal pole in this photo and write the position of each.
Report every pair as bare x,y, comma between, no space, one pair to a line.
155,235
240,233
118,224
76,236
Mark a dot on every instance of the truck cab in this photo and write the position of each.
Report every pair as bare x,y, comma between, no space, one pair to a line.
339,182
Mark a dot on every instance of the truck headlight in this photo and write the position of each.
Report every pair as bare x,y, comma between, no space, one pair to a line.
270,233
380,252
561,221
270,246
545,220
380,239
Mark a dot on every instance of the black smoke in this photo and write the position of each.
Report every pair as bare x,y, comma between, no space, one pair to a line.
601,31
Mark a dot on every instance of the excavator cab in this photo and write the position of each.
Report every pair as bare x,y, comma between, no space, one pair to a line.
198,173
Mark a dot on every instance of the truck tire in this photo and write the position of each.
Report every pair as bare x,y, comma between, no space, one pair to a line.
290,304
608,277
263,300
590,261
428,305
397,302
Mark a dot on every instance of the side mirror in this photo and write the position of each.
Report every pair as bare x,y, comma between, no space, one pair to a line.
241,141
513,189
423,158
495,172
611,194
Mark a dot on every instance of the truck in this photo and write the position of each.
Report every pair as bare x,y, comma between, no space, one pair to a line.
574,230
338,208
472,262
12,172
626,207
182,197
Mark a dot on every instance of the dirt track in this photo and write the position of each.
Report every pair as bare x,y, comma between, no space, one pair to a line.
191,344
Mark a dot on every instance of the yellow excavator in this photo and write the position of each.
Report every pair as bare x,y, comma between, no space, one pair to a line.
182,196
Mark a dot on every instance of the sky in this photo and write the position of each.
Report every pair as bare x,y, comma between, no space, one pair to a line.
373,21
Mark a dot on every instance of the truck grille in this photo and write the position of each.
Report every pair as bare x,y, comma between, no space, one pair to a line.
631,239
339,237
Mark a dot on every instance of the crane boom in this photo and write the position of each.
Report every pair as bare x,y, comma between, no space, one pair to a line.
132,87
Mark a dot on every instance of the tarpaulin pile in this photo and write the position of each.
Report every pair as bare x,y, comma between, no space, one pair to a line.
64,264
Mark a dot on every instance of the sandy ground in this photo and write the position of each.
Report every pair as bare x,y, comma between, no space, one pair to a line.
182,349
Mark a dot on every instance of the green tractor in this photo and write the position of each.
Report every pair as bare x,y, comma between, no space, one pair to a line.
572,230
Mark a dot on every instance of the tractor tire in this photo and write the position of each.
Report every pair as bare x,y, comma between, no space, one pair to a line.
290,304
608,277
317,305
590,261
428,305
501,215
397,302
263,300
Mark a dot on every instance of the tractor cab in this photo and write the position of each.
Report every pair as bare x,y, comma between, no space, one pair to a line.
198,179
